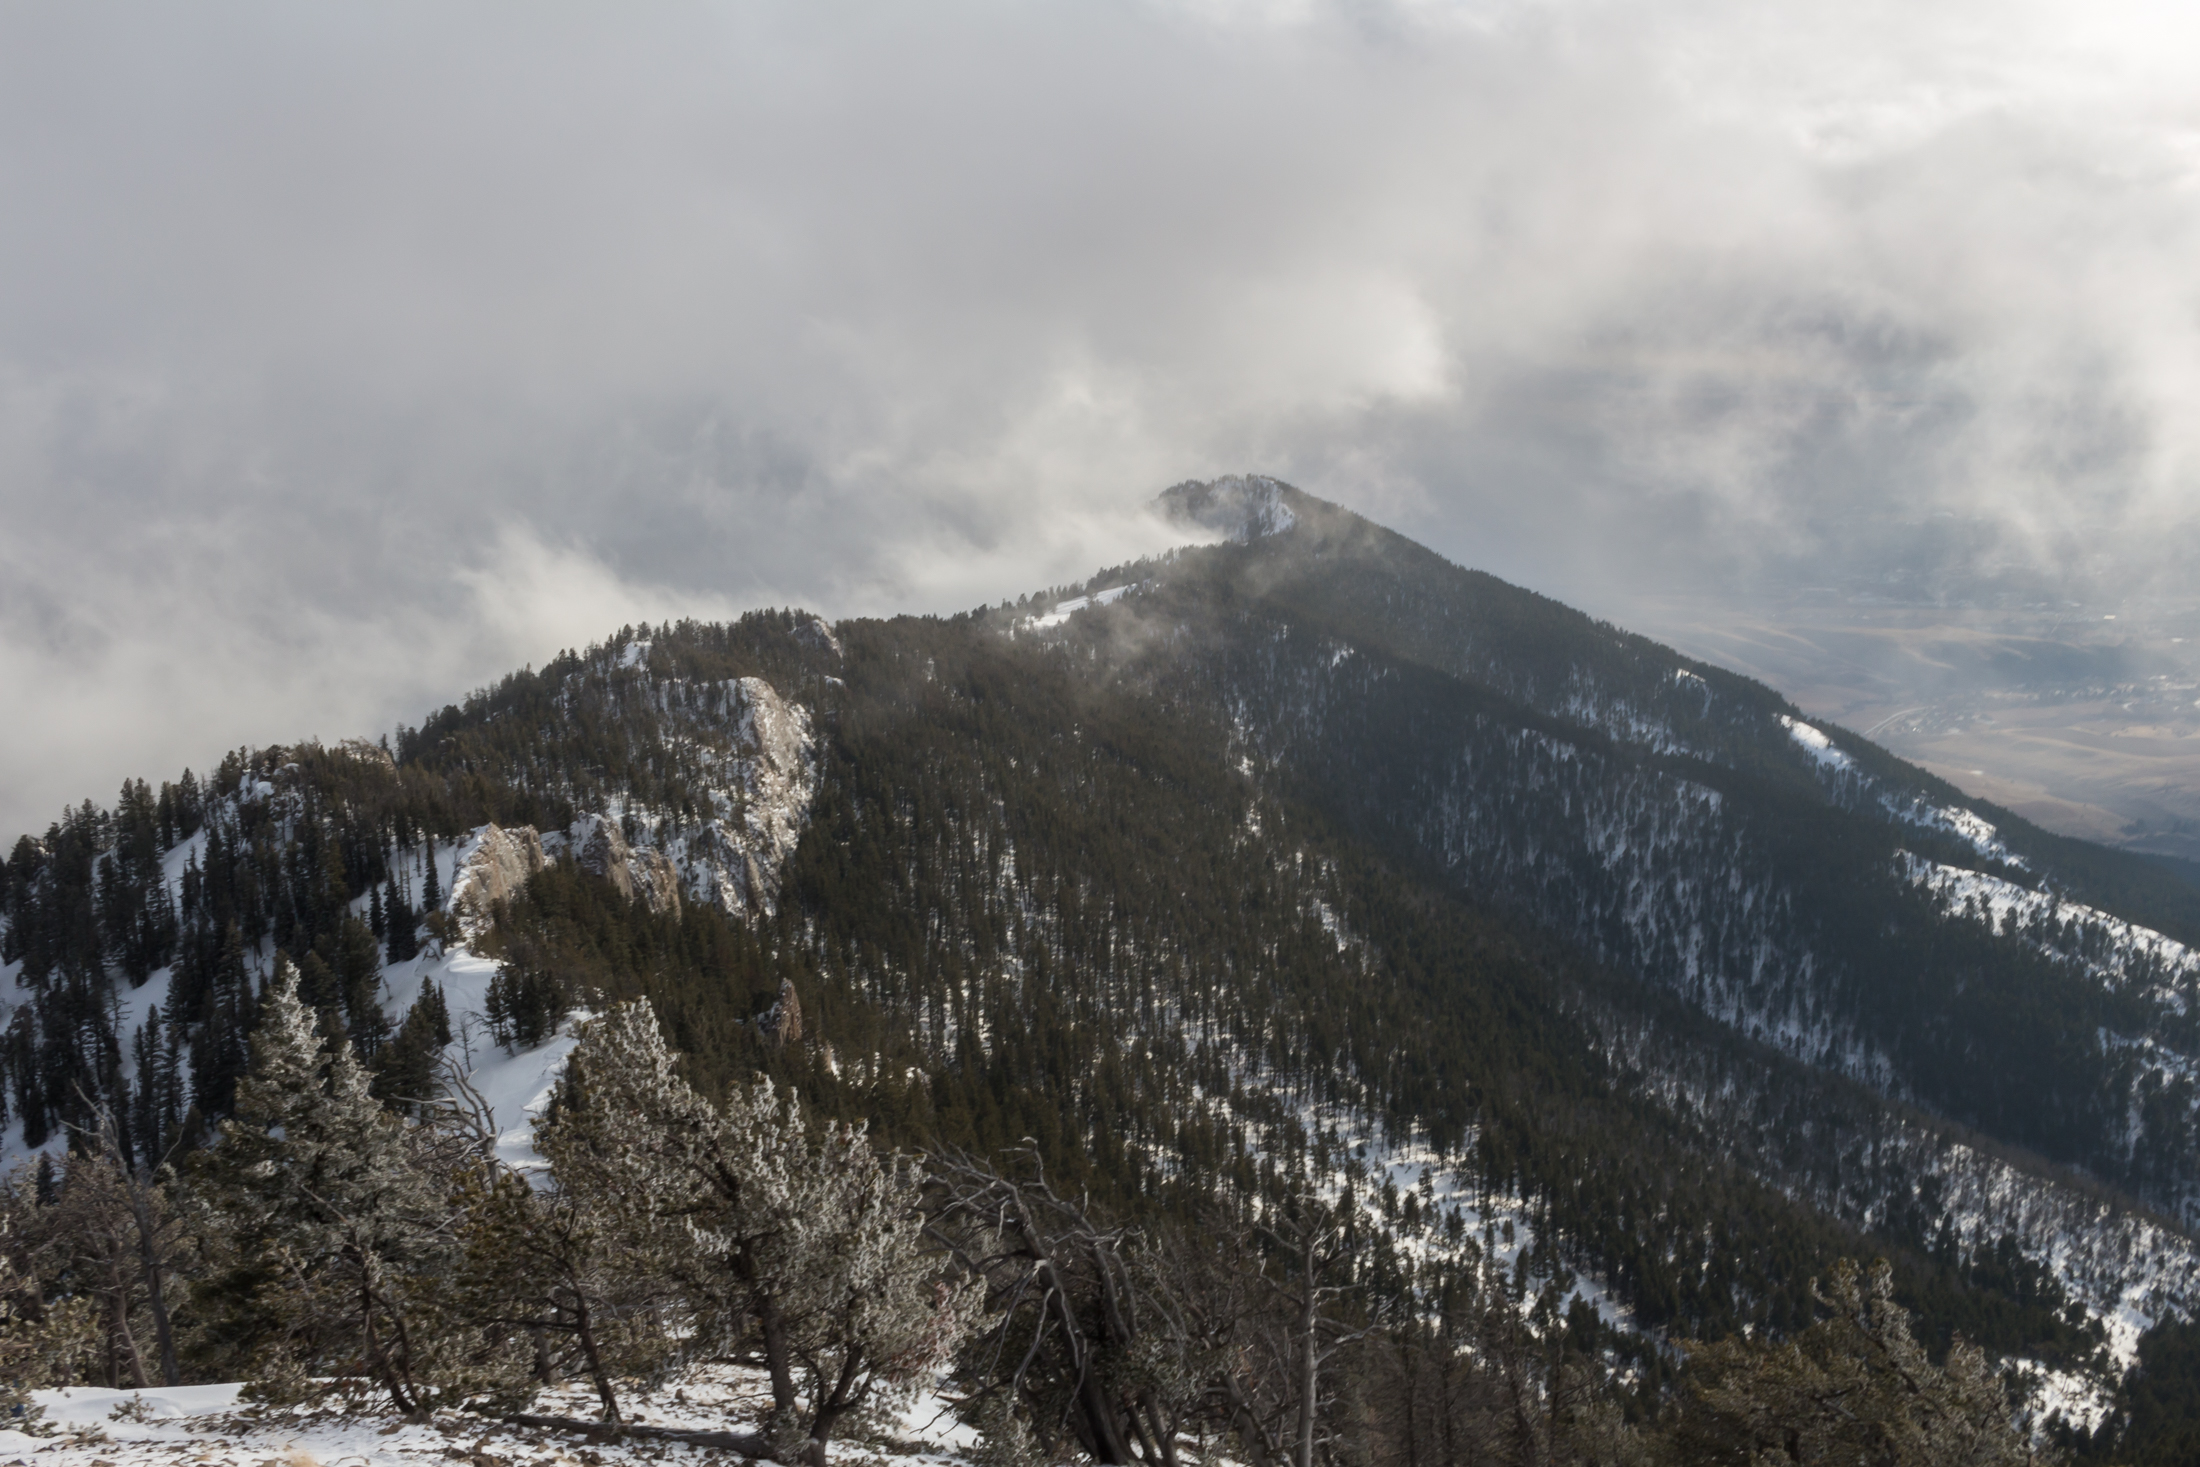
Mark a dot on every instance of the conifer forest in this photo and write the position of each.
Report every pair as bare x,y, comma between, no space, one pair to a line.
1290,1002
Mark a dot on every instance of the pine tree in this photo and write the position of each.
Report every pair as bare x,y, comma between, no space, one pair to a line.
190,806
42,1340
547,1262
527,999
406,1067
319,991
1854,1387
359,983
499,1005
438,1011
109,1237
335,1244
403,942
149,1126
218,1047
819,1245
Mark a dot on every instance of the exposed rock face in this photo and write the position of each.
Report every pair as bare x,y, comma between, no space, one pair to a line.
735,859
648,877
744,758
815,631
493,871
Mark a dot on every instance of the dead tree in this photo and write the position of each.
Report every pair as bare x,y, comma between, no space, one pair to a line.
1080,1325
123,1226
1125,1340
1277,1314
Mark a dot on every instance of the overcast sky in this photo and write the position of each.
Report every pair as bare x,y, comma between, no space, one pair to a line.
351,355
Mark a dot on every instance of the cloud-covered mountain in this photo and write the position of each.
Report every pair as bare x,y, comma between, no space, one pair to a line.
1302,858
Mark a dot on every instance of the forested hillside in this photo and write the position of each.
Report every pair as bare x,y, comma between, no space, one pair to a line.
1598,1001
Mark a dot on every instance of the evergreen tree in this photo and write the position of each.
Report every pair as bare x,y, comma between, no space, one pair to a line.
402,924
548,1262
406,1067
334,1243
321,993
438,1011
818,1244
219,1051
43,1340
155,1106
1854,1387
358,971
190,806
527,999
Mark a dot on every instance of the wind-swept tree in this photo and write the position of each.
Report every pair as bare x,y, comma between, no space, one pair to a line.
547,1263
814,1246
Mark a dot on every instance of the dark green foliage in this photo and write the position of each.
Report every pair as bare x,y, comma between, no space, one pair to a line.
281,840
2157,1420
402,925
570,938
405,1071
528,998
1855,1386
221,1001
1464,727
331,1256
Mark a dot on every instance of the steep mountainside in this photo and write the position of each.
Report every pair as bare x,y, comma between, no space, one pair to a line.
1692,830
1303,860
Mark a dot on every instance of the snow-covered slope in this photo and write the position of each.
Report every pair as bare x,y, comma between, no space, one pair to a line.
91,1427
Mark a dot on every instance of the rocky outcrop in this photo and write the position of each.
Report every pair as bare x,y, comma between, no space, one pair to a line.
734,860
649,877
812,630
782,1024
493,870
367,753
739,759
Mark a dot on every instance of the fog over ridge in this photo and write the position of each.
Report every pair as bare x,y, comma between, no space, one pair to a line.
350,357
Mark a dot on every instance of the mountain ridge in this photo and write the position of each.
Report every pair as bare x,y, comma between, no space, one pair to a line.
1321,847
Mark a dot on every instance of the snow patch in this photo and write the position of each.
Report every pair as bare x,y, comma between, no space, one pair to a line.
1064,610
1816,744
2122,956
1980,834
212,1424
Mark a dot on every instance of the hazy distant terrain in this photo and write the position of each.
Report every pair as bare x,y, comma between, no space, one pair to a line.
2082,717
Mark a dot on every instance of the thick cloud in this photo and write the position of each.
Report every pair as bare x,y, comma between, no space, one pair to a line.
349,355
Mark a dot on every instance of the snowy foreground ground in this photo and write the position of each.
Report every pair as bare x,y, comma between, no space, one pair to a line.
207,1426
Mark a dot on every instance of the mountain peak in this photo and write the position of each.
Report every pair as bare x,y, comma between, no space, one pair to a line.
1244,507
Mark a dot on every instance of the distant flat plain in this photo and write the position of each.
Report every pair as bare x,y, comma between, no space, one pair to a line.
2082,718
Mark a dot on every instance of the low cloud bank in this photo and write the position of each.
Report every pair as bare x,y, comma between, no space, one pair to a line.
348,358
